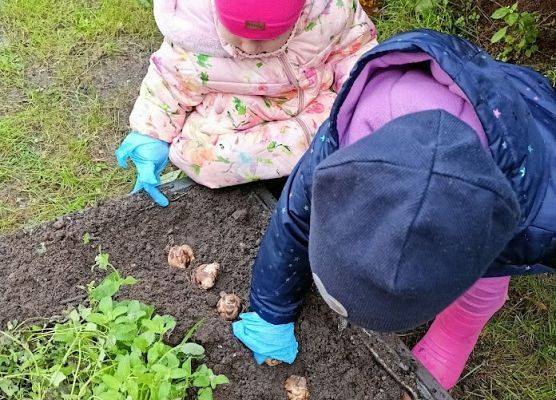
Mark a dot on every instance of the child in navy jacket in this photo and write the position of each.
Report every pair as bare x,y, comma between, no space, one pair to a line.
430,184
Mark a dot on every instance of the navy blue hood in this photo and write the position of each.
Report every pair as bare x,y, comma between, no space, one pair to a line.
397,236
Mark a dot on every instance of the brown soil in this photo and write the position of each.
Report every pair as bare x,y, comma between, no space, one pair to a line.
545,58
120,73
41,272
116,81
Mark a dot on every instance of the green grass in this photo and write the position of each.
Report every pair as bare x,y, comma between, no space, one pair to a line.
57,130
403,15
516,355
551,74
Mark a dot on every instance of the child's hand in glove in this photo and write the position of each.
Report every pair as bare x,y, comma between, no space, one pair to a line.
150,157
267,341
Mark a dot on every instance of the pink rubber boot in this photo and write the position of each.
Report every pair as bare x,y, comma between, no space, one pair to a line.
446,346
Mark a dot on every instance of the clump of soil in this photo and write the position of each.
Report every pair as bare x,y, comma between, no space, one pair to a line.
229,306
204,276
43,272
296,388
180,256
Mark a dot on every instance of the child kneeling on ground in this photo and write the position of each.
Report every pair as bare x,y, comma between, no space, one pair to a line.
239,87
432,182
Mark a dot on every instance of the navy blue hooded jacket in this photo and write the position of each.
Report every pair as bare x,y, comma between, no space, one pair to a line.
522,139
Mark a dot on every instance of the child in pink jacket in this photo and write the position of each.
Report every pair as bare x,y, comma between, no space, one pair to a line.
238,88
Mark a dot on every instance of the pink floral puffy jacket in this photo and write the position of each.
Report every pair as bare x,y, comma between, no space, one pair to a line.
232,118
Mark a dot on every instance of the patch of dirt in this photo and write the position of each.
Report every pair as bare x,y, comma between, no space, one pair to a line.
116,80
120,73
41,272
542,60
40,78
372,7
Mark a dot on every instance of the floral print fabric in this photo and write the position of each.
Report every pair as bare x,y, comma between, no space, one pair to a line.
240,118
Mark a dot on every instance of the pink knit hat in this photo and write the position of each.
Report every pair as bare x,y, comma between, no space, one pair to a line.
258,19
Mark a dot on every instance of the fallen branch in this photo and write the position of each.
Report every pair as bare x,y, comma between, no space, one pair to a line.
389,370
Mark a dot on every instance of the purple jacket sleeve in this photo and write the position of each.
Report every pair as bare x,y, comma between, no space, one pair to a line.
281,274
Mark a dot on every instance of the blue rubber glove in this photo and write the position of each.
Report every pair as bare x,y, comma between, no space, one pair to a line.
150,157
266,340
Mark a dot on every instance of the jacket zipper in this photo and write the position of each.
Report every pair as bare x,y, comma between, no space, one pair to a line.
293,80
305,129
300,95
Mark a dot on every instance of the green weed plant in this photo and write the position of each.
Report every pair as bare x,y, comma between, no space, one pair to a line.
519,34
404,15
105,350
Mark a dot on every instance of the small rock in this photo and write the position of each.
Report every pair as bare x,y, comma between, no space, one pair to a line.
342,324
404,366
240,215
243,247
60,235
41,249
59,224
